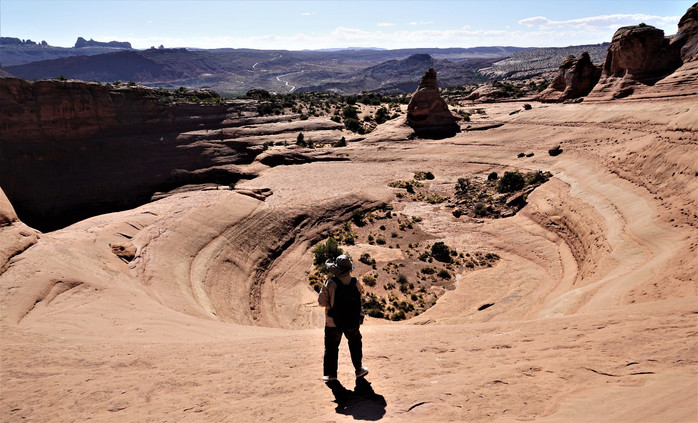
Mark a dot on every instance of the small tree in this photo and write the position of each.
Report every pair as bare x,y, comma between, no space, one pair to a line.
330,250
441,252
510,182
382,115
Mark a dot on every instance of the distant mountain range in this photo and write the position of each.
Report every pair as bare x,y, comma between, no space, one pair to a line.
233,72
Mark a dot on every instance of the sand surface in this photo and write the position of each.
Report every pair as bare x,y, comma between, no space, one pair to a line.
594,312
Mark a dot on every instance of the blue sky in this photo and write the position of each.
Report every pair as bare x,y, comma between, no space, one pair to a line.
297,25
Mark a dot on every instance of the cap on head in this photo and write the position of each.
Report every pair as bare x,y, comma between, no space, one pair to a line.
341,266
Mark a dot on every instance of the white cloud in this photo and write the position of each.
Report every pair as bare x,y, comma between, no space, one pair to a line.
603,22
394,37
386,24
306,13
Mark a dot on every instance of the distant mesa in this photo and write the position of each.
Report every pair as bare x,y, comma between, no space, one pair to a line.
81,42
427,112
12,41
576,78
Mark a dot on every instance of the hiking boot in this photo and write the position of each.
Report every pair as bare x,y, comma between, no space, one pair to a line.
329,378
362,372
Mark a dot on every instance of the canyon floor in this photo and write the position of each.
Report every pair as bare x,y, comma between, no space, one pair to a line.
593,312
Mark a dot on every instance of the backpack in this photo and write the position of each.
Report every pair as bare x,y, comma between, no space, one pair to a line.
347,310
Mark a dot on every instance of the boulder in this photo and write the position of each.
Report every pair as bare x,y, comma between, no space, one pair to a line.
576,78
427,112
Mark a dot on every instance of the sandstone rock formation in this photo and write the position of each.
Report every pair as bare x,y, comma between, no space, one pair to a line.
486,93
638,54
686,38
427,113
576,78
70,150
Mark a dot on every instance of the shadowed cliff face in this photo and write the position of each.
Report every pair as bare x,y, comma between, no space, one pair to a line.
71,150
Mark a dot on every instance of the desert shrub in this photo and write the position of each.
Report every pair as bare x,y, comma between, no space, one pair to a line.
393,234
382,115
444,274
434,198
398,315
373,306
350,112
367,259
358,217
300,140
353,125
380,240
535,178
480,209
327,251
492,176
510,182
428,270
441,252
341,143
369,280
462,186
420,176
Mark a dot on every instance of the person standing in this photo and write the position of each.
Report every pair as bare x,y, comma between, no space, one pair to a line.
341,297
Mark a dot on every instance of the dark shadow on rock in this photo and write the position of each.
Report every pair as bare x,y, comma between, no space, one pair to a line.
363,403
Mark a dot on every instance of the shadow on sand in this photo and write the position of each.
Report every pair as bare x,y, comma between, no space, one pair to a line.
363,403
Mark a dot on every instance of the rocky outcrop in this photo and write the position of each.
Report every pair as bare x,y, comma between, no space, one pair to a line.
69,150
81,42
638,54
576,78
484,94
427,112
15,236
686,38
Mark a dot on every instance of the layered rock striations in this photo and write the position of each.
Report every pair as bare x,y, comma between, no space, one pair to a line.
70,150
427,112
576,78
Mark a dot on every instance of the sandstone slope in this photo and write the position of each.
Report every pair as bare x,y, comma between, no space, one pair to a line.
594,300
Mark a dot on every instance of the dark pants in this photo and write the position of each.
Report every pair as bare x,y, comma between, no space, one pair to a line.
333,336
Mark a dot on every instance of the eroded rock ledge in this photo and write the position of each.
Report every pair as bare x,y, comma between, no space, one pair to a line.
70,149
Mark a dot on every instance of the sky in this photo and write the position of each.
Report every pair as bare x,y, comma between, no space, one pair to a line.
299,25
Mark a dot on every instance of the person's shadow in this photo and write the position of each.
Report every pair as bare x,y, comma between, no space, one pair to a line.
363,403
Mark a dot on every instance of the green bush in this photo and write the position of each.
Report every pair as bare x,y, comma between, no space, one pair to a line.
353,125
300,140
441,252
510,182
327,251
369,280
358,217
382,115
462,185
428,270
492,176
444,274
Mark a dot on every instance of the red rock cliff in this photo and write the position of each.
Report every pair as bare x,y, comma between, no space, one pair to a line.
69,150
